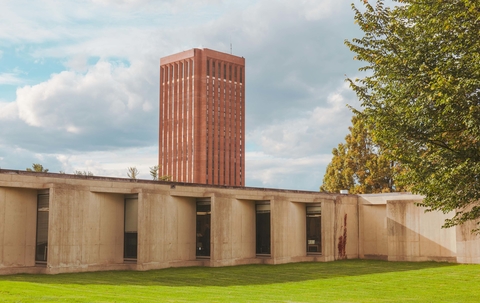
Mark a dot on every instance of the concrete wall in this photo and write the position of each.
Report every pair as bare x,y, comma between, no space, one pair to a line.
86,225
233,231
468,244
346,227
414,235
85,230
288,234
18,211
373,240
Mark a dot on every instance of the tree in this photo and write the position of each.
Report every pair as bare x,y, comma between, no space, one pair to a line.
83,173
38,168
154,173
359,165
132,172
165,178
421,96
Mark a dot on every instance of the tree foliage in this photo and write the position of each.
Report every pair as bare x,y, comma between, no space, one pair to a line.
359,165
421,96
83,173
38,168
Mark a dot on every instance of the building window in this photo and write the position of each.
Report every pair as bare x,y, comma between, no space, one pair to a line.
314,229
262,227
208,67
218,69
241,76
43,207
224,71
203,227
131,228
230,72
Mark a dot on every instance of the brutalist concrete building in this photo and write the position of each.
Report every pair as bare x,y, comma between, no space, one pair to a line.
53,223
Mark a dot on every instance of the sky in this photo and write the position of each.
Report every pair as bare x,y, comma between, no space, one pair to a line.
79,81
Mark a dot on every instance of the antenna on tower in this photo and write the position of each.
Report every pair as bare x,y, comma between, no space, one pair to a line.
231,52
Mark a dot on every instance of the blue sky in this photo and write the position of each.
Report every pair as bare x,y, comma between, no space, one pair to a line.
79,81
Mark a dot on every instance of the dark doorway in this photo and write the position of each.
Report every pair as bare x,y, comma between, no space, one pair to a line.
314,229
130,239
41,248
262,226
203,227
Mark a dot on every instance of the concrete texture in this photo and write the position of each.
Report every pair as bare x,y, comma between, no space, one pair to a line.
394,228
86,225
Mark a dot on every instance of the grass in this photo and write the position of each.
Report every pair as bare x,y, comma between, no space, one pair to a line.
341,281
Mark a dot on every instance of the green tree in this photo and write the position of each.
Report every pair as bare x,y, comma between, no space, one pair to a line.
359,165
83,173
38,168
421,96
165,178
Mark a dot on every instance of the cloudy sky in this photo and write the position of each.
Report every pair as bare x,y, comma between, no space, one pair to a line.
79,81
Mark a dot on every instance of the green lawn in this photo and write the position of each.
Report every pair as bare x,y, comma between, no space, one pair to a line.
341,281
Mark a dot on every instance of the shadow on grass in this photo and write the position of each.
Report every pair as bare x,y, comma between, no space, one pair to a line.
230,276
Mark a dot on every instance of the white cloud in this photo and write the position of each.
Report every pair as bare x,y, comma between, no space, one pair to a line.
106,94
316,132
295,57
289,173
111,163
8,111
9,78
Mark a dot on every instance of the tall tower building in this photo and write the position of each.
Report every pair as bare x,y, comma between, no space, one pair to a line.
202,117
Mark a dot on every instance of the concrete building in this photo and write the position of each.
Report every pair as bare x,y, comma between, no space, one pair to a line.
53,223
202,117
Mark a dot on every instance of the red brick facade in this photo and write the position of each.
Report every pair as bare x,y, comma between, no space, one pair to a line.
202,117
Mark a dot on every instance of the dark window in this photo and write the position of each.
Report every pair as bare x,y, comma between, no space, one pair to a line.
262,221
230,72
314,229
131,228
41,249
203,227
224,71
218,69
208,67
241,74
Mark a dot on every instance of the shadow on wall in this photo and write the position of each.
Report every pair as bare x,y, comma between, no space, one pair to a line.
405,244
230,276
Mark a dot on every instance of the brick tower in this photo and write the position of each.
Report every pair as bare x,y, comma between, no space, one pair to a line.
202,117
